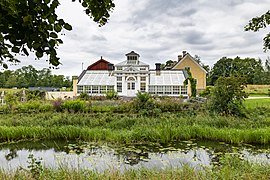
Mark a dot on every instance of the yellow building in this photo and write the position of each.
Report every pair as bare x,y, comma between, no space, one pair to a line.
186,61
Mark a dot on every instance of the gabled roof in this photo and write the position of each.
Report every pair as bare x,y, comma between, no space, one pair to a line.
97,62
132,53
185,57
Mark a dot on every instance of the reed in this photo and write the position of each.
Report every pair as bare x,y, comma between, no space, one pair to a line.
137,135
230,168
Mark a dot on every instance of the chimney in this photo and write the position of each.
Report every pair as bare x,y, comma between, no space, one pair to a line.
158,68
184,53
110,67
180,57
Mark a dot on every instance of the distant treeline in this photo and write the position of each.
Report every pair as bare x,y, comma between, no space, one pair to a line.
28,76
251,69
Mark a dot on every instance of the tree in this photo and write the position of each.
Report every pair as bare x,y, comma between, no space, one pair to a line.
168,65
227,96
33,25
249,68
257,23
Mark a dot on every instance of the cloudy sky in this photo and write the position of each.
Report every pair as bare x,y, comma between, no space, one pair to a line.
159,30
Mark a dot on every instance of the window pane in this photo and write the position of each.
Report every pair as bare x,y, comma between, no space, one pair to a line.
176,89
119,78
119,87
183,89
94,89
102,89
143,87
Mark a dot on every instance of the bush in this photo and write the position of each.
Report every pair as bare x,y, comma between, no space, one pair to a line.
206,92
75,106
84,96
143,101
57,105
111,95
227,96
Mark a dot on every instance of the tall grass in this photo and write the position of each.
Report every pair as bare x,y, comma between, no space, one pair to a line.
158,134
230,168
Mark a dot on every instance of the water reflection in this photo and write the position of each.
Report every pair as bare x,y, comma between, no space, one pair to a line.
101,157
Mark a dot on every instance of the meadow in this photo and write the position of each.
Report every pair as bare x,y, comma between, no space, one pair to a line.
257,90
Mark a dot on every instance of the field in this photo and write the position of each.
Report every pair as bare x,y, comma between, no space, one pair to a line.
255,103
257,90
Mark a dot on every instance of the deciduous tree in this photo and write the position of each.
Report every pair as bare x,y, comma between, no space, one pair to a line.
257,23
33,25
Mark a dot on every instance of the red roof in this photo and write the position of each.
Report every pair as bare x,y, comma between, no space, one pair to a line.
101,64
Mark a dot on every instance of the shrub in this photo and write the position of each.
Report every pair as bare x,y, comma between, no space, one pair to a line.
111,95
57,105
206,92
84,96
227,96
143,101
76,106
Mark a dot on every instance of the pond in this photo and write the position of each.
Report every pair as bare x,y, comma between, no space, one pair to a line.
100,157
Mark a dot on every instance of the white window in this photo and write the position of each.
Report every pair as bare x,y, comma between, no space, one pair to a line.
119,87
131,85
168,90
95,89
143,68
159,89
131,79
183,89
119,78
143,78
152,90
110,88
143,87
102,89
176,89
80,89
119,68
87,89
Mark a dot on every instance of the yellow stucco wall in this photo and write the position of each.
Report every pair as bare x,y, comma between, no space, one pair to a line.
195,70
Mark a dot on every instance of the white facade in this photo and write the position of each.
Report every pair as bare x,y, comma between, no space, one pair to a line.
131,76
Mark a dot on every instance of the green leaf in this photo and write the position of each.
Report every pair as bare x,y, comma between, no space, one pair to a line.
84,4
68,27
25,52
53,35
36,45
47,1
5,66
15,49
39,54
60,41
57,27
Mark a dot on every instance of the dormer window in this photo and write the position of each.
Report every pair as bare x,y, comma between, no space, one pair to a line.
132,58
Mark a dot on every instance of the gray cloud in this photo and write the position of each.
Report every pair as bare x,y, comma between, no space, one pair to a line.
159,30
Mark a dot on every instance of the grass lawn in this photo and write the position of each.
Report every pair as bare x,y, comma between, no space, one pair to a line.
257,90
254,103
